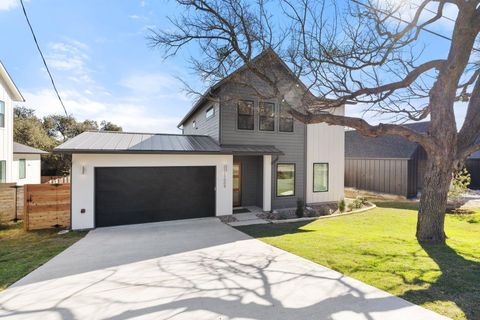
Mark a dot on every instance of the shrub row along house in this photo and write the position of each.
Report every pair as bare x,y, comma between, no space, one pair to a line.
19,164
236,150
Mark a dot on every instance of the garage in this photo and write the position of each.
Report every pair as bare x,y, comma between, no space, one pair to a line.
130,195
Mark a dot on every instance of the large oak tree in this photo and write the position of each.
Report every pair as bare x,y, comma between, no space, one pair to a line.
365,52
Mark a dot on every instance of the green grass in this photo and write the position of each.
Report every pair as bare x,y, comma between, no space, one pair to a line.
379,247
21,252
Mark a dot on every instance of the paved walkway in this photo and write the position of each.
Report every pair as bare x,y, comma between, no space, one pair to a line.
198,269
246,219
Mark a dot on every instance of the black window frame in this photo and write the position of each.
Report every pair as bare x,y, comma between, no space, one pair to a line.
260,116
328,177
211,108
285,116
240,116
294,180
2,114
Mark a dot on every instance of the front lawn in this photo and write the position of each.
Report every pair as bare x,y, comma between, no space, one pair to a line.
21,252
379,247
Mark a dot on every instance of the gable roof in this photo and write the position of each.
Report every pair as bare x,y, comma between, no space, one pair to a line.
134,142
11,87
210,90
383,147
21,148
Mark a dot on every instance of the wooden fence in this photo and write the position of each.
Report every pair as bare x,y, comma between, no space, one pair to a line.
55,179
11,202
47,206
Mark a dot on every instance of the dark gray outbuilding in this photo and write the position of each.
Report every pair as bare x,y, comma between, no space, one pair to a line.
388,164
473,167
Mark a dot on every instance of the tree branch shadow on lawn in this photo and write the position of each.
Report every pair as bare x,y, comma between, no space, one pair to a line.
274,229
458,282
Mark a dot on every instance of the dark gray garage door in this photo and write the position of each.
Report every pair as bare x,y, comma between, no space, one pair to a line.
147,194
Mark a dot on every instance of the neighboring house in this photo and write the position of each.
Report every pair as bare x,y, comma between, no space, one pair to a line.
8,93
236,150
26,168
387,164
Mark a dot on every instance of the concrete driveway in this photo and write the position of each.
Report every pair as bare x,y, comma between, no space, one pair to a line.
197,269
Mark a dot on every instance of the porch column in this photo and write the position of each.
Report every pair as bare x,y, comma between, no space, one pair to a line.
267,182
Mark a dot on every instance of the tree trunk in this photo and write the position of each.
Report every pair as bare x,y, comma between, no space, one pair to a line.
433,201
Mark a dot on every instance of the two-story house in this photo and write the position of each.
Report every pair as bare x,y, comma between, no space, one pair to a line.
19,164
239,147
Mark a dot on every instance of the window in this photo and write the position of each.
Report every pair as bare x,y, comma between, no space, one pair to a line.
194,124
210,112
286,119
245,115
2,114
22,169
3,171
285,180
320,177
267,116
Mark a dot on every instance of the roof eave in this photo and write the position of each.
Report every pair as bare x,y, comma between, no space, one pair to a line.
15,93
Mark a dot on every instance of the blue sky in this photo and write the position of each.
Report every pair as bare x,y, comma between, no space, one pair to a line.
101,61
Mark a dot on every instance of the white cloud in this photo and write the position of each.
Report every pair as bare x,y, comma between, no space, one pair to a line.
132,117
71,57
151,85
6,5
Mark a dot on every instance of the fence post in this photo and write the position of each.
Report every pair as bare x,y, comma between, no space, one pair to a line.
25,207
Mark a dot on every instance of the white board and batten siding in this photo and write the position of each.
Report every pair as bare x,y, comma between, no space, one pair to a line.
33,168
83,165
326,144
6,132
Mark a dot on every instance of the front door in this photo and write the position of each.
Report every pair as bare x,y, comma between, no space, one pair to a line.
237,183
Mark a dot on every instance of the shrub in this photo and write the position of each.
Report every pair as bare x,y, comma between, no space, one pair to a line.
341,205
350,206
362,200
300,208
460,182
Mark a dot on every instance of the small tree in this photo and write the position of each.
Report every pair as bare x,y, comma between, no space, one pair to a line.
460,182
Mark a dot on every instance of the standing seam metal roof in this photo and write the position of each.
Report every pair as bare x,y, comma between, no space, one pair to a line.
127,142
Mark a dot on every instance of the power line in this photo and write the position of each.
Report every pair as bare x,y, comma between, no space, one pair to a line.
408,22
43,58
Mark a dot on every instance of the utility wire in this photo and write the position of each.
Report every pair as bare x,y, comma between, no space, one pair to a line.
43,58
407,22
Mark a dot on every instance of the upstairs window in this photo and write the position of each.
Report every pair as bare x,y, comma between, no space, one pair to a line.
210,112
286,119
2,114
194,124
320,177
245,115
267,116
22,169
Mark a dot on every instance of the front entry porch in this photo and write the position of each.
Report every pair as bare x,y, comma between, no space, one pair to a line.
252,181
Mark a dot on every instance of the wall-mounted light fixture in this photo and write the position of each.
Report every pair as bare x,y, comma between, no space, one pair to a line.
83,169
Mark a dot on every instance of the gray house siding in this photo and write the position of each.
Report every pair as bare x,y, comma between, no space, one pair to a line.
292,144
209,127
